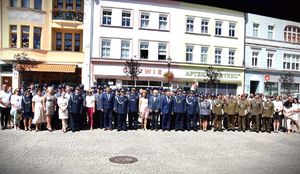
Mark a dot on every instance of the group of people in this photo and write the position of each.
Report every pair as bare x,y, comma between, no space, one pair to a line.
146,109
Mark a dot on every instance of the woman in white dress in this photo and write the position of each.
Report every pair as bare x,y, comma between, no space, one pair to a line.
15,111
296,110
62,103
37,108
144,109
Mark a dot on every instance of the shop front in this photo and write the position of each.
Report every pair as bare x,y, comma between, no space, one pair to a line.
152,75
268,82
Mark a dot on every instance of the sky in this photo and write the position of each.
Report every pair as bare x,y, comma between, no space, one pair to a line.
283,9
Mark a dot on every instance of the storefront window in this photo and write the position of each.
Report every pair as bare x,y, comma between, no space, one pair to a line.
271,88
294,88
223,89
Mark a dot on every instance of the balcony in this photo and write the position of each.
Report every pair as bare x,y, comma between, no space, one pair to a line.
68,15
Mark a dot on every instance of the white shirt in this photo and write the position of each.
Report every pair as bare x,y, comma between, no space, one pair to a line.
5,97
90,101
16,100
278,105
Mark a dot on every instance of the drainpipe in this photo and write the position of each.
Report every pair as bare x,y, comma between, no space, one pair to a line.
244,59
91,41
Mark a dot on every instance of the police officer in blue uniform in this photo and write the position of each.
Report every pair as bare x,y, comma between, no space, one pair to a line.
107,104
133,110
179,109
191,110
121,108
75,109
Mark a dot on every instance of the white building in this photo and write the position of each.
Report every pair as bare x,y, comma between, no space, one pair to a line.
193,36
272,47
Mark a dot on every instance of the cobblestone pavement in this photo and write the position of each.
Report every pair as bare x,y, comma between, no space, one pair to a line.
157,152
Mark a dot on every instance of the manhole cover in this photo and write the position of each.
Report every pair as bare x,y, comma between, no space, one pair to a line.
123,159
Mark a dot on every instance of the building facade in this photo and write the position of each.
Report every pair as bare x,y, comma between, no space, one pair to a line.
272,48
50,33
192,36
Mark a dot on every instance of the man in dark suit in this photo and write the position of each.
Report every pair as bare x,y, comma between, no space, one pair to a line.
179,109
121,108
166,110
133,109
75,109
107,104
154,102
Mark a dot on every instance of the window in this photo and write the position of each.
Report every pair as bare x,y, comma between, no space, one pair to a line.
25,36
294,88
270,31
78,4
37,38
58,41
204,26
106,19
13,36
60,4
13,3
25,3
77,42
144,20
231,57
162,51
291,62
163,21
254,59
38,4
270,60
69,4
218,53
232,29
255,30
125,47
190,25
144,50
271,88
105,48
218,28
68,41
189,53
204,51
126,18
292,34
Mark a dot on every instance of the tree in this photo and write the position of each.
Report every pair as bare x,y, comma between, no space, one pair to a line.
132,69
287,82
213,76
23,62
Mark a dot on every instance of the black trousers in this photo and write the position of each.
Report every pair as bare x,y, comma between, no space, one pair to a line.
179,121
74,121
154,120
121,121
133,120
191,122
100,118
4,116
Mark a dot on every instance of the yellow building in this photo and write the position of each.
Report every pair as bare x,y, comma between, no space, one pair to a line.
50,32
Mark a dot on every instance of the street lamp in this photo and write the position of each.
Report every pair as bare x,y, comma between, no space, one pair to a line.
169,65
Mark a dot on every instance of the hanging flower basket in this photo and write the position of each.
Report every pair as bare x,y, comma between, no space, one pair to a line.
169,76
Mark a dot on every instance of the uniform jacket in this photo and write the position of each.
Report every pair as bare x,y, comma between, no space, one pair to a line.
204,107
217,107
98,101
76,103
242,107
179,104
191,105
256,107
268,110
133,102
121,104
231,105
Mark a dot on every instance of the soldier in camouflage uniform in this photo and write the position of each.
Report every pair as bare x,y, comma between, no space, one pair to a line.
268,112
256,110
218,111
242,110
231,107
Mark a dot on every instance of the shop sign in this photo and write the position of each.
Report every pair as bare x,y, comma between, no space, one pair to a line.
202,74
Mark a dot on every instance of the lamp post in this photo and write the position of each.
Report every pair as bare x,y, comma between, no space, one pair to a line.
169,65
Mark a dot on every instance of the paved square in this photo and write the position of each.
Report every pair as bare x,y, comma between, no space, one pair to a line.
157,152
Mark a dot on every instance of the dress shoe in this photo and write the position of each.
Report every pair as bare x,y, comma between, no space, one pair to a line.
119,130
215,130
105,129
